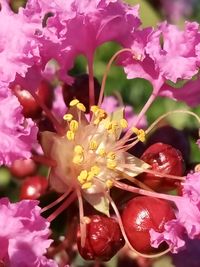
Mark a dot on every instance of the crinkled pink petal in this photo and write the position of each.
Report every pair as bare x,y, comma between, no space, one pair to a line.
17,134
18,46
25,236
172,235
176,57
189,92
95,22
191,187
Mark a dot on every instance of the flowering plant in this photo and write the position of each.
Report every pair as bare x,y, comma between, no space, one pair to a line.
89,142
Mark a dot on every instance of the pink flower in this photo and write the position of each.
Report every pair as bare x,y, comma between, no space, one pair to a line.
172,236
23,235
18,47
17,134
177,57
191,187
188,216
94,22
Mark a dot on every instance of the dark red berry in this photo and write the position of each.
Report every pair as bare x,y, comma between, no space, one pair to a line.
31,109
142,214
103,239
23,167
33,187
80,90
165,159
171,136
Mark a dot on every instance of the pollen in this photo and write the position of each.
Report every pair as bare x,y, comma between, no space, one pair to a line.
68,117
123,123
95,170
140,134
93,145
82,178
109,184
73,126
78,149
70,135
94,108
111,164
74,102
86,185
102,152
81,107
78,159
111,155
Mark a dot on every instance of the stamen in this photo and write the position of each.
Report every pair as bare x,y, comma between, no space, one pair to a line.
78,159
74,102
123,123
68,117
140,134
111,164
70,135
109,184
93,145
73,126
81,107
78,149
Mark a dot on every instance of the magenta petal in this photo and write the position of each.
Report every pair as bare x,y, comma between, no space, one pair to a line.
17,134
25,238
172,235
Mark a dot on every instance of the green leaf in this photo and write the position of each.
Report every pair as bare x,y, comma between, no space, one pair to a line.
98,202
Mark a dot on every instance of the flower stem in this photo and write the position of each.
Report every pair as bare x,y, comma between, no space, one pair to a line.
107,70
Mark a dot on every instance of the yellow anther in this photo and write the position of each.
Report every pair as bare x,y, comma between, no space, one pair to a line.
93,145
123,123
95,170
102,152
101,113
111,155
73,126
94,108
135,130
111,164
86,185
74,102
78,159
81,107
90,176
68,117
108,125
140,134
70,135
109,184
82,178
78,149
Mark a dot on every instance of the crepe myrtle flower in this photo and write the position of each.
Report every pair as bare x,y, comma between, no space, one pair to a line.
88,157
164,56
24,235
